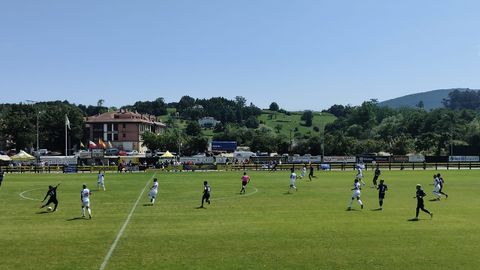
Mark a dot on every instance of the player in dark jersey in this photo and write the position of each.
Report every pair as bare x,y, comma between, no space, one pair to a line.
52,192
206,193
441,182
382,189
310,175
420,205
376,175
2,173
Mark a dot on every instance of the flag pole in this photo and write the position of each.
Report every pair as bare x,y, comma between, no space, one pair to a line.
66,136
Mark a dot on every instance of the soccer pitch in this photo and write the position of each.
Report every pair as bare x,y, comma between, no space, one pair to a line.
265,229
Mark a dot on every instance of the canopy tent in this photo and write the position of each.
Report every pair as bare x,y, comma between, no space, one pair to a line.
22,156
5,158
167,155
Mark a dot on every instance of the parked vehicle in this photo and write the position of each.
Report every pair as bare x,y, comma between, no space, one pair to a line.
111,152
132,153
41,152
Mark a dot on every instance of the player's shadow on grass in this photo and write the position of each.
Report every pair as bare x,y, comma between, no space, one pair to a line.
43,212
352,210
434,200
376,209
288,193
413,220
76,218
200,207
148,204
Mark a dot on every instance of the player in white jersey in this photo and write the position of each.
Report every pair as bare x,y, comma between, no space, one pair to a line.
85,198
436,187
293,177
101,180
356,194
153,191
359,176
304,171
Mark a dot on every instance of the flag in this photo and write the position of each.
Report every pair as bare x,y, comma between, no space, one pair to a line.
67,122
91,144
110,144
82,145
102,144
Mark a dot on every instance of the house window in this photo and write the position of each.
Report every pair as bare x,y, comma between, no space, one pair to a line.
115,136
123,125
124,135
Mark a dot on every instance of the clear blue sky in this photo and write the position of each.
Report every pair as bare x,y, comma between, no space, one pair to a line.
302,54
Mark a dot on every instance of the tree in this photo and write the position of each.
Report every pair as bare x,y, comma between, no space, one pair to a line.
278,128
307,117
194,145
252,122
186,102
459,99
157,107
274,107
193,129
240,101
420,104
339,110
18,126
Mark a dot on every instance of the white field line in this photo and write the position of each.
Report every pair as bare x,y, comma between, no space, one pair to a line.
122,229
237,196
28,198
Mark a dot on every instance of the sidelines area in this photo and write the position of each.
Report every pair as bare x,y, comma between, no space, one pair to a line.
124,226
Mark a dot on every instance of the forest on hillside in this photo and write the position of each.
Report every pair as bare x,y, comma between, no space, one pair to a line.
367,128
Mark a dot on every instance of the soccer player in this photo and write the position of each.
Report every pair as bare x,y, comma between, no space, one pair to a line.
441,182
304,171
356,194
310,175
52,192
153,191
376,175
206,193
85,198
245,181
293,177
420,204
101,180
382,189
359,175
2,173
436,187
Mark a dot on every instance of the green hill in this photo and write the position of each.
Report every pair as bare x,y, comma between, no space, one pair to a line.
291,121
280,122
431,99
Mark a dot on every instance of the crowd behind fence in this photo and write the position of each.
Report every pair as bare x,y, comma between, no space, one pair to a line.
243,167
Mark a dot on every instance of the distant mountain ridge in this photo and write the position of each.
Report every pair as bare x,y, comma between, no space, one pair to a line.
431,99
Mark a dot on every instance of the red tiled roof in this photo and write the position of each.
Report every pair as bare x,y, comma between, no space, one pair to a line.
124,117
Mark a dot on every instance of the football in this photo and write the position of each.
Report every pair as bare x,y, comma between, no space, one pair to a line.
49,209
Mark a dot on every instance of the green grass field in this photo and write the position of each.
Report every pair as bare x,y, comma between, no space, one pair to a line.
267,229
